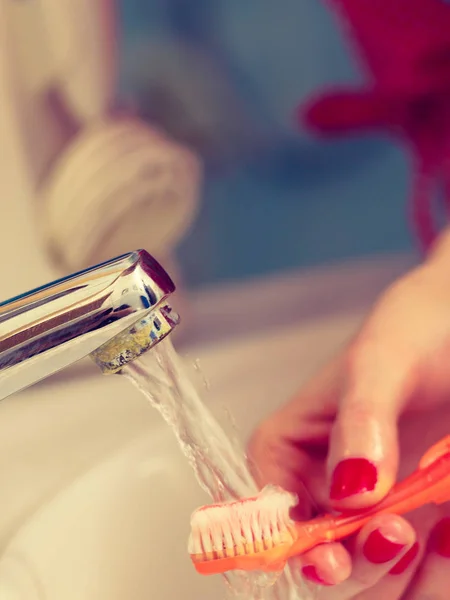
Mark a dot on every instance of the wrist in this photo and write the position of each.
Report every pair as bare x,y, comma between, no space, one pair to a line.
439,255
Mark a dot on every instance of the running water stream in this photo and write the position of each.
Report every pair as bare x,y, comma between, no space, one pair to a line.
219,464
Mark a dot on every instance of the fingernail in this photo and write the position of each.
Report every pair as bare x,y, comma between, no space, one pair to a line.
378,549
310,572
405,560
353,476
439,540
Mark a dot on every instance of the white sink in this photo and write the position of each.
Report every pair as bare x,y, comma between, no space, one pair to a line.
96,496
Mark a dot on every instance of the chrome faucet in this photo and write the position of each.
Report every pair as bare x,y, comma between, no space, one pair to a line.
113,312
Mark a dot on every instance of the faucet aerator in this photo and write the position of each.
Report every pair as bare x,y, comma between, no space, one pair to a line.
113,312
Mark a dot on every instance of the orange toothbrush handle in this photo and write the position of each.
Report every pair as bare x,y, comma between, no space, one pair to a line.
430,483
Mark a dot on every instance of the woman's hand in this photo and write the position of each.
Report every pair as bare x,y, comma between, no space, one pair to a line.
340,437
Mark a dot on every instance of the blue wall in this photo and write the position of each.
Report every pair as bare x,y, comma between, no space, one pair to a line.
274,198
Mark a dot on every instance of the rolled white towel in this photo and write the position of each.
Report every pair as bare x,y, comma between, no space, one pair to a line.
119,185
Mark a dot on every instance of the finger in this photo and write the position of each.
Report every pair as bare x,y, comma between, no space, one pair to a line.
364,454
396,581
325,565
290,448
274,460
432,581
394,584
378,548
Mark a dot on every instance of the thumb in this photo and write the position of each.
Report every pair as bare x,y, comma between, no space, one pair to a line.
364,450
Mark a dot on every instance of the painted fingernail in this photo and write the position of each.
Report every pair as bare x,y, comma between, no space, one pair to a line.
310,572
405,560
353,476
439,540
378,549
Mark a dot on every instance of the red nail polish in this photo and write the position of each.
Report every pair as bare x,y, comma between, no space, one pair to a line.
439,540
353,476
379,549
405,560
310,573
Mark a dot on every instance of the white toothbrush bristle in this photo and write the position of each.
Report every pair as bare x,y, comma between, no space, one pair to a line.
242,527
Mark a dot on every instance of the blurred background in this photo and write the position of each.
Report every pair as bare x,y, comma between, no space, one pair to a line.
226,77
176,119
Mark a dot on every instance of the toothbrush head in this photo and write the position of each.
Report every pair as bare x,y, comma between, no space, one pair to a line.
250,534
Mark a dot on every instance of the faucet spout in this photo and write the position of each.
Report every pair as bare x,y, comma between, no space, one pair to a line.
113,312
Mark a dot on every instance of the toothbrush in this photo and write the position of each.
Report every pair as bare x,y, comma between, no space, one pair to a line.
257,534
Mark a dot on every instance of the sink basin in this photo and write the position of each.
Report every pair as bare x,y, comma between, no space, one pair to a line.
96,496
